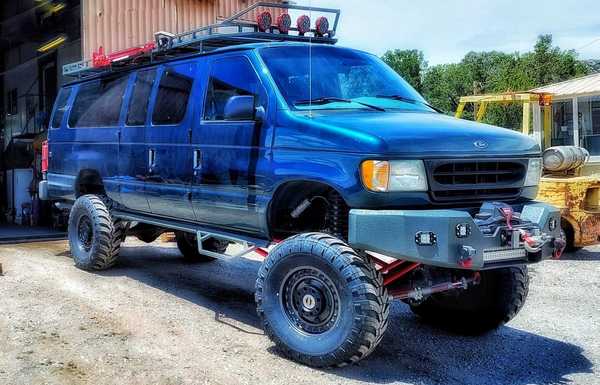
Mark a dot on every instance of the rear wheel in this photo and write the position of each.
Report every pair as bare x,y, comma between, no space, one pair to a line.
188,246
497,299
320,302
94,236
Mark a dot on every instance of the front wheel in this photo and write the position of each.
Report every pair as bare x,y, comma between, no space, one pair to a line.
497,299
320,302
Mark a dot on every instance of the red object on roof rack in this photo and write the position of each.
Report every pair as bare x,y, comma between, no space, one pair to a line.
100,59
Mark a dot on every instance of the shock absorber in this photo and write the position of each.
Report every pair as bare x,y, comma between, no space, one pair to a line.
337,216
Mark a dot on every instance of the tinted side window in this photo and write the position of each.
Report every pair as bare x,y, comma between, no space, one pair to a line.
98,103
138,105
61,107
173,95
230,77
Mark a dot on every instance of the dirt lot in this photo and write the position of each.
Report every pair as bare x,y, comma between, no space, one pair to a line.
156,320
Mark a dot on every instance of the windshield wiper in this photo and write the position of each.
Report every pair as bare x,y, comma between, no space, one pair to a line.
331,99
409,100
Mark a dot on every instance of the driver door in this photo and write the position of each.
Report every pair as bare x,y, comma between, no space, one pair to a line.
227,178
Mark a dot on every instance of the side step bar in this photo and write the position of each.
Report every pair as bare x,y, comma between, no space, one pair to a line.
248,243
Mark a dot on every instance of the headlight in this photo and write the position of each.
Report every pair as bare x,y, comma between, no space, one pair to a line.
395,175
534,172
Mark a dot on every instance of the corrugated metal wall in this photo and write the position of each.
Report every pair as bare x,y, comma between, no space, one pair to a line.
120,24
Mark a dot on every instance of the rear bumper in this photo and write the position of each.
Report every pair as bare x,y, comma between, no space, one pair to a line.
393,233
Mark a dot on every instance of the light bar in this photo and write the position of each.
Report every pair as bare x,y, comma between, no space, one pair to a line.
52,44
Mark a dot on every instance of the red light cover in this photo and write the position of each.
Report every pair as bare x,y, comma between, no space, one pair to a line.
303,23
264,21
322,26
284,22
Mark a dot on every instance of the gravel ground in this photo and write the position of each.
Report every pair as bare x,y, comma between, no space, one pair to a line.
155,320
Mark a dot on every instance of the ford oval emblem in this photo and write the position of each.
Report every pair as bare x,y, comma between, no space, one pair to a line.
481,144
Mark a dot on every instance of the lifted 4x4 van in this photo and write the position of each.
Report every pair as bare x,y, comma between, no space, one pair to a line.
365,191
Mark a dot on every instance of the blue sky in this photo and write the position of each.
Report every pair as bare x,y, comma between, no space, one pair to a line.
447,29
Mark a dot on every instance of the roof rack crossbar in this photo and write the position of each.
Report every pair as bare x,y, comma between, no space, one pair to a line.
234,30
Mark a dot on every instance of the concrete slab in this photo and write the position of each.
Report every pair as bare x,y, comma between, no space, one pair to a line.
20,234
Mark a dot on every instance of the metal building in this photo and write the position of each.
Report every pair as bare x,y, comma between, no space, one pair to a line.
576,113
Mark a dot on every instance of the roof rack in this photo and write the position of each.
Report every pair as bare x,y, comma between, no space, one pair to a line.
235,30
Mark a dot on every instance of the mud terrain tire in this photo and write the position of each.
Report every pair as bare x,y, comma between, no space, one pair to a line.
484,307
94,236
320,302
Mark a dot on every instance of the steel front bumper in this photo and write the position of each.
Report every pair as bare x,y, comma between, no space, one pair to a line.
394,232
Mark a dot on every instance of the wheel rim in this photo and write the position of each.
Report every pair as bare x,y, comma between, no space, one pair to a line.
310,300
85,232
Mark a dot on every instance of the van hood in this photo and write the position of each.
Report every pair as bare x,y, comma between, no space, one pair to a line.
421,133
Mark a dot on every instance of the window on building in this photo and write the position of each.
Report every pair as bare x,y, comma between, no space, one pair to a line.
562,125
98,103
60,107
231,77
173,95
589,123
138,105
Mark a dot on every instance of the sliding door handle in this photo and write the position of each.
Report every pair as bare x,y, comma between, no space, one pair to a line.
151,159
197,159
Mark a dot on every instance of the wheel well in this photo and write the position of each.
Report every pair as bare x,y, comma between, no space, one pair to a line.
304,206
89,181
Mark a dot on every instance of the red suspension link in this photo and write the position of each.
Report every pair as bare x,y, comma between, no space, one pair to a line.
393,271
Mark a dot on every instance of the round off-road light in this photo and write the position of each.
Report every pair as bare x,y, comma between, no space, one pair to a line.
322,26
264,21
284,22
303,24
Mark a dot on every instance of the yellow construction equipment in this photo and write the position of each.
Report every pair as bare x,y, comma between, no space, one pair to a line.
577,196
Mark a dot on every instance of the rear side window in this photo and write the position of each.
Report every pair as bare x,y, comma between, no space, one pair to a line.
98,103
60,107
173,95
230,77
138,106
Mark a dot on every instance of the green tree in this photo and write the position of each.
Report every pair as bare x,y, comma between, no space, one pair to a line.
409,63
496,72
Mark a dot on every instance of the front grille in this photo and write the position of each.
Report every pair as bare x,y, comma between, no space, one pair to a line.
476,180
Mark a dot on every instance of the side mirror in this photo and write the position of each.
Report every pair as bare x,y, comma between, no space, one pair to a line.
239,108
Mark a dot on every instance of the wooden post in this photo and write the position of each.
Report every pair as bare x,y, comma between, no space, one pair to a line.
1,271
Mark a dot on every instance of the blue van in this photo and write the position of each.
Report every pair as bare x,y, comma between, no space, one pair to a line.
276,139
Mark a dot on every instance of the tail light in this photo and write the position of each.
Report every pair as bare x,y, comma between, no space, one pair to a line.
45,156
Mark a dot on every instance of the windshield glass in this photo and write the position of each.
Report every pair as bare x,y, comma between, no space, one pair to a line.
340,79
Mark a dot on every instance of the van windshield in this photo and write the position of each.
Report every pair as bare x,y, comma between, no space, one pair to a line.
339,79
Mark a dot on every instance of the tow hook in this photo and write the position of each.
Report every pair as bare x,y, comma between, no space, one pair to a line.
534,243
